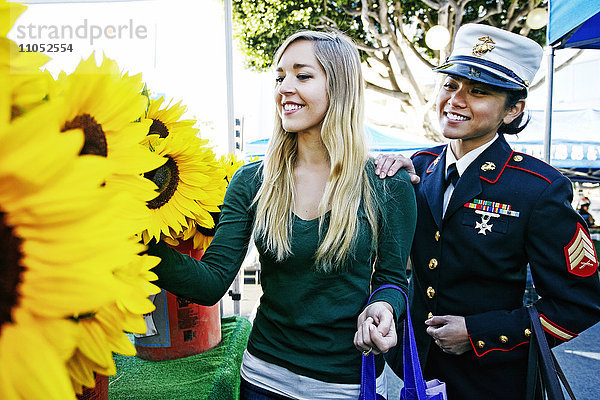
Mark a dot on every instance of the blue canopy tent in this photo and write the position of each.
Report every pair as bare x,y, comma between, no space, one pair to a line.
574,23
575,147
571,24
377,141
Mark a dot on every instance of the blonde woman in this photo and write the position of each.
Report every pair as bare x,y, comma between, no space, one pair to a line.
326,232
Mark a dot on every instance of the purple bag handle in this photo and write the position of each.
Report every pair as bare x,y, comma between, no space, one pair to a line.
414,385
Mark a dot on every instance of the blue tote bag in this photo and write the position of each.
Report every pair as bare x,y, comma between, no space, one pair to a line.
415,387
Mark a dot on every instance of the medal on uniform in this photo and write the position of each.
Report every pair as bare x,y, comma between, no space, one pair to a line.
489,209
484,225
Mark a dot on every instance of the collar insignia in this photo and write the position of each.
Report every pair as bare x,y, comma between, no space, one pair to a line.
484,45
488,166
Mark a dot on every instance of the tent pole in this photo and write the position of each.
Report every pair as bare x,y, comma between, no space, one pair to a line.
229,73
236,291
550,82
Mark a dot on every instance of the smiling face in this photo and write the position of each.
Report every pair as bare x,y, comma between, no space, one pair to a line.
301,89
471,112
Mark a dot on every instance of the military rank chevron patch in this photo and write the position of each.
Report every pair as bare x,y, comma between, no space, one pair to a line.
580,254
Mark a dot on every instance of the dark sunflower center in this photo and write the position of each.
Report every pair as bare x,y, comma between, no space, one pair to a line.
10,270
95,139
15,112
158,128
166,178
210,231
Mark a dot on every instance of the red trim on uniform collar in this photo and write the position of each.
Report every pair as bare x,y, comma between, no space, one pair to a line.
424,152
500,173
428,170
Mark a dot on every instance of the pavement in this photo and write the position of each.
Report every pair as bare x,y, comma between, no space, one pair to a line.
250,296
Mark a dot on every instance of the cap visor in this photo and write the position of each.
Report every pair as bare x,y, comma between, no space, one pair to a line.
477,74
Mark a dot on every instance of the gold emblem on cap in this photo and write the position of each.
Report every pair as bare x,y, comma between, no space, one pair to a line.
488,166
518,158
486,44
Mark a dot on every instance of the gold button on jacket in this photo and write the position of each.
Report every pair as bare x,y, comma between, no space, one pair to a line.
503,339
437,236
480,344
527,332
430,292
433,263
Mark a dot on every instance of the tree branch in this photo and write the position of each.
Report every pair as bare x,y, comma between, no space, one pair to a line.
351,12
490,12
390,70
432,4
389,92
561,66
370,49
327,22
411,46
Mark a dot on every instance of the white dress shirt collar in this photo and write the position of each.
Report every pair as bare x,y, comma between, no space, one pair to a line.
463,163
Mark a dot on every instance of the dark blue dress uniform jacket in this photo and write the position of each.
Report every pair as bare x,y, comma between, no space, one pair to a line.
473,264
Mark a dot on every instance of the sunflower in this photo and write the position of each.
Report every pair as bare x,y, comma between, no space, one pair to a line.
103,333
103,103
24,85
202,235
60,239
190,186
167,120
9,12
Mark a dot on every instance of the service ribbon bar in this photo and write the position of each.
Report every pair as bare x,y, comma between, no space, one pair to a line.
492,206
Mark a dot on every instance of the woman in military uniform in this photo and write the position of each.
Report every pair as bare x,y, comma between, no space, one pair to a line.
484,213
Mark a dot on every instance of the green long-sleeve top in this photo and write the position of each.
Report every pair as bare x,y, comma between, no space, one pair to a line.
306,319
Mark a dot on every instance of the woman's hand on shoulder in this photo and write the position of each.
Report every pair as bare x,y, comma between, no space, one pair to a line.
376,329
390,164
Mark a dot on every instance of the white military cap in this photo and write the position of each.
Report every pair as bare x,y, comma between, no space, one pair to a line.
493,56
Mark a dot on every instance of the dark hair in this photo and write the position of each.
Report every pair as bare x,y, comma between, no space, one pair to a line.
517,125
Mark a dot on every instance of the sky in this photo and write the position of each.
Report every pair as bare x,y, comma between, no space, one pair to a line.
177,45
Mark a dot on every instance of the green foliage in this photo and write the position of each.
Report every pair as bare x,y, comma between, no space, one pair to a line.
261,26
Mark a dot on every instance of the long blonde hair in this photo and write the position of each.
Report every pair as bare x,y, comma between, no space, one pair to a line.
342,134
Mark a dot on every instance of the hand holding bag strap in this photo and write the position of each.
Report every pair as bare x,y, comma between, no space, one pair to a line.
548,367
414,385
368,386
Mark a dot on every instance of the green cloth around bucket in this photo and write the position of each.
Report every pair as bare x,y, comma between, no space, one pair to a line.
212,375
